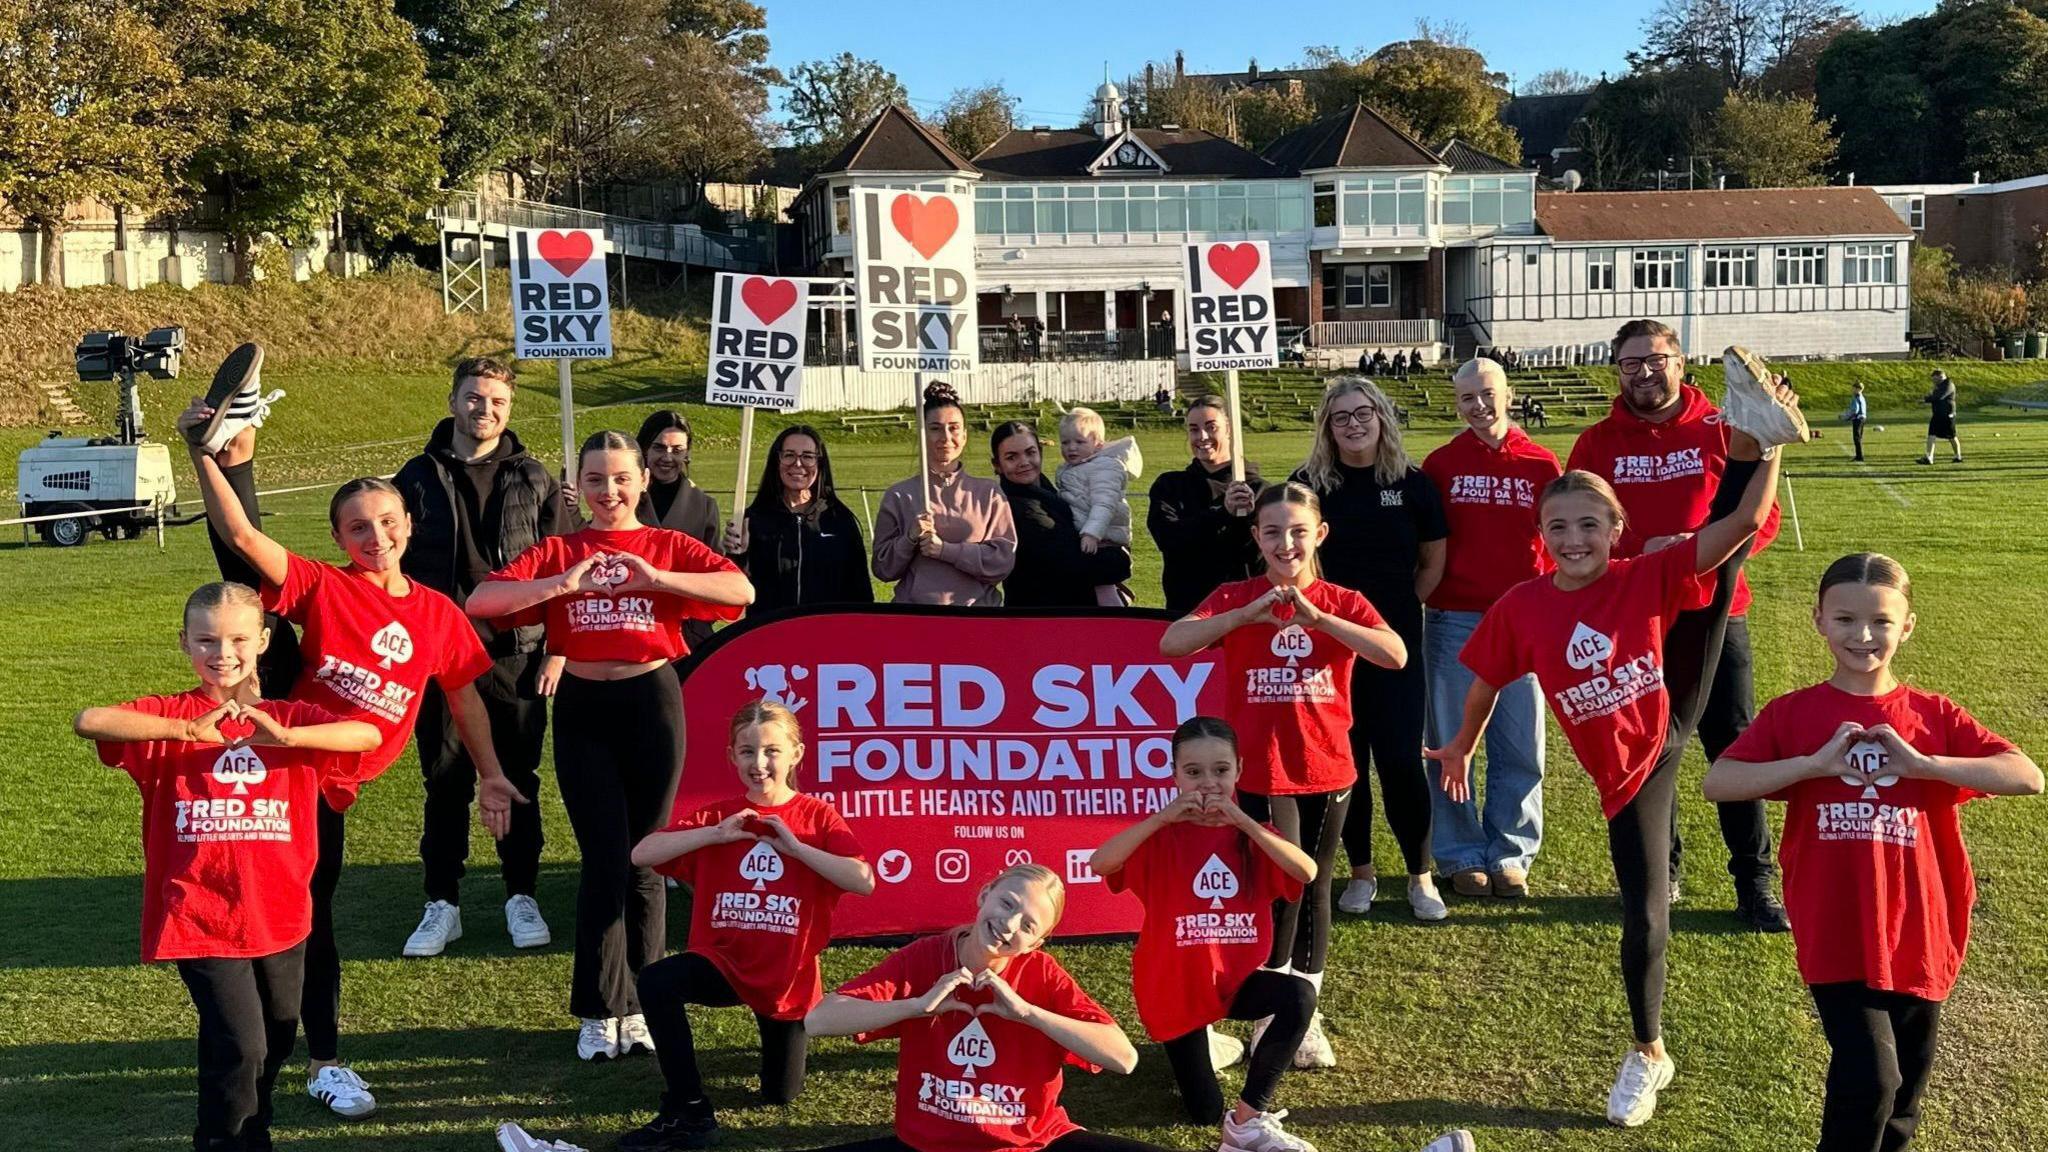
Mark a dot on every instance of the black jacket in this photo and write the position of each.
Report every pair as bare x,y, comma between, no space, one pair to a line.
1052,571
1202,546
525,504
794,558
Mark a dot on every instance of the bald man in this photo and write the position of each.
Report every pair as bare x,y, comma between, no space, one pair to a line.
1489,477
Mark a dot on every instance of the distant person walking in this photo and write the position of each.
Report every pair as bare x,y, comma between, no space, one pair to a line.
1941,419
1858,413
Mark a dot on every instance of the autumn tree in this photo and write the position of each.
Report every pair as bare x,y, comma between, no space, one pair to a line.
830,101
1556,82
1268,112
974,118
1431,86
1772,141
483,56
1158,95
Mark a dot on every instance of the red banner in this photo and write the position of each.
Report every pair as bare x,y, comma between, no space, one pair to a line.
956,741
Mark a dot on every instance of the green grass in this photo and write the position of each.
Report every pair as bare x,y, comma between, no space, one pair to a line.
1508,1019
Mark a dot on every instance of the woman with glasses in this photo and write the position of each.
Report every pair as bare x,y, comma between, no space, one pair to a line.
1387,535
797,541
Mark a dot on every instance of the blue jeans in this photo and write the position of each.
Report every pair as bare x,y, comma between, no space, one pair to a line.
1508,830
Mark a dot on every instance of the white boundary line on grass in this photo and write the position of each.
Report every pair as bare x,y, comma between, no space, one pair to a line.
1881,482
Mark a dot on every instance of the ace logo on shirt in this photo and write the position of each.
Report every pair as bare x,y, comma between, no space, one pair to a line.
393,643
1293,644
608,572
240,767
1587,648
971,1049
762,864
1869,761
1215,882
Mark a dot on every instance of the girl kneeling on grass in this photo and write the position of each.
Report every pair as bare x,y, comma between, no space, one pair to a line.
1209,876
1593,633
1289,642
230,784
765,869
1873,774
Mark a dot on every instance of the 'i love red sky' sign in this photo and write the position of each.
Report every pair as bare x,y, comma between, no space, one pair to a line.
1231,323
914,266
757,341
561,305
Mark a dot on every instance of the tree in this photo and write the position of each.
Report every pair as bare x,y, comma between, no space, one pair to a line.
1772,141
1869,84
483,56
1430,87
1652,121
1725,35
1795,33
829,101
974,118
1266,113
1161,95
1557,82
91,107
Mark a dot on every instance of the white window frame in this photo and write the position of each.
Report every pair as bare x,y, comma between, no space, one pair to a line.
1354,286
1379,285
1869,264
1657,269
1801,266
1600,271
1916,212
1728,268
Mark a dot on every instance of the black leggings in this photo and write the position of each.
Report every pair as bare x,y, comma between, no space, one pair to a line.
1639,836
320,1002
248,1020
278,666
1290,1001
1881,1052
618,750
688,978
1079,1140
1312,821
1388,706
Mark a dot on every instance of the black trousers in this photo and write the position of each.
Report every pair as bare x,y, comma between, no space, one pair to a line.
1729,709
519,722
618,750
278,667
320,1002
1639,836
1290,1001
1079,1140
1856,432
1388,708
1881,1050
666,987
248,1020
1313,822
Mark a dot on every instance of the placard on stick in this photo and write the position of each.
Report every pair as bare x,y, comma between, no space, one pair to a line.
914,264
758,324
1231,323
561,305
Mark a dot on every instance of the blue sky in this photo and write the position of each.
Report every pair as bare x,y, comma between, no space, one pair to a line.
1050,52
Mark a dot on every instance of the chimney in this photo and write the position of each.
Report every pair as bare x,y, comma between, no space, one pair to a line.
1851,181
1253,71
1180,66
1721,183
1976,176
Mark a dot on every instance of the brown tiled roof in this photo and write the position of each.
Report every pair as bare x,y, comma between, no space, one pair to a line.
1463,157
1064,154
896,141
1712,215
1357,137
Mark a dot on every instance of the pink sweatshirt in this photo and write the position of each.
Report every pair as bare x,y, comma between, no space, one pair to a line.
971,517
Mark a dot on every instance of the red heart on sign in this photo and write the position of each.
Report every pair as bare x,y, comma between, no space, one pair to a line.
236,730
1235,263
927,224
565,250
768,299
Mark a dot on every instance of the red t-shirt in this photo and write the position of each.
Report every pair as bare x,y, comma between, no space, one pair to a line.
369,655
976,1083
1288,690
598,624
1877,880
228,835
1489,497
1598,652
1665,475
760,918
1208,895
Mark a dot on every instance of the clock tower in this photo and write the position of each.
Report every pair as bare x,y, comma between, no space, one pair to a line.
1109,111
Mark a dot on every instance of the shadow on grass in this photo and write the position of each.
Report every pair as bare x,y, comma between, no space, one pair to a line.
1517,915
1442,1114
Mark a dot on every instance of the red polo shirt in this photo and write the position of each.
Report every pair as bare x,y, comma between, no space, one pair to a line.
1489,497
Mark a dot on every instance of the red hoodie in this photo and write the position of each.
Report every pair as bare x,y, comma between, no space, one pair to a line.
1665,475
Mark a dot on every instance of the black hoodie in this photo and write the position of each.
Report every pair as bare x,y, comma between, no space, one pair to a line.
817,556
1202,545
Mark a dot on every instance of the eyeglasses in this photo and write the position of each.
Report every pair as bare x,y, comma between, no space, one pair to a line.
1635,365
1358,416
804,458
668,450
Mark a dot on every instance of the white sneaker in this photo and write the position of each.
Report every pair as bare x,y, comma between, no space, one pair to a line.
1261,1133
1357,896
338,1087
633,1035
237,399
1315,1050
597,1039
524,925
1224,1049
513,1138
1751,402
1633,1099
1454,1141
440,926
1423,900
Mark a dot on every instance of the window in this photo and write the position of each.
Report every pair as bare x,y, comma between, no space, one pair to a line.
1379,285
1517,200
1052,216
1291,210
1457,203
1869,264
842,213
1486,201
988,217
1144,215
1659,268
1600,272
1326,204
1357,208
1802,265
1729,268
1333,279
1112,217
1354,286
1916,212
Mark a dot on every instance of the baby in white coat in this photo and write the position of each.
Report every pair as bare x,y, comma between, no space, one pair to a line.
1092,482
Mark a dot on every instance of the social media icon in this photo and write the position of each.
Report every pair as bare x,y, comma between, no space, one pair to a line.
952,866
1078,871
1016,856
893,866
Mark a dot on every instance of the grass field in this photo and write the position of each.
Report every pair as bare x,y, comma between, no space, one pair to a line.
1507,1019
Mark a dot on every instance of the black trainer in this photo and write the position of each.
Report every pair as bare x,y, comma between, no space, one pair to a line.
234,396
1762,912
683,1130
